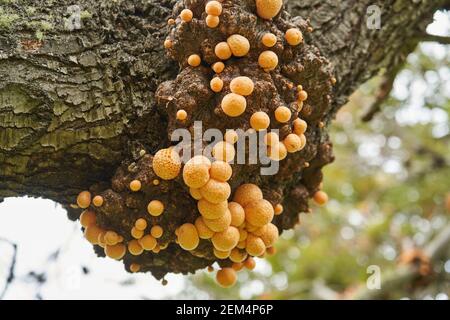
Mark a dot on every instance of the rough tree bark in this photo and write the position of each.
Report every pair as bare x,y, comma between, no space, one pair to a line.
75,104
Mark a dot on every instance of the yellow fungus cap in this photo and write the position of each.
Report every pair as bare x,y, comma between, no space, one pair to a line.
219,224
255,246
243,86
259,121
267,9
233,105
271,138
212,210
203,231
226,240
148,242
237,255
84,199
116,251
259,212
269,40
283,114
196,172
140,224
239,45
278,209
216,84
226,277
269,234
195,193
268,60
135,248
292,142
134,267
277,152
194,60
294,36
167,164
97,201
156,231
221,171
300,126
186,15
221,254
223,51
218,67
216,191
181,115
87,218
92,232
224,151
135,185
136,233
213,8
237,214
155,208
320,198
188,237
250,263
212,21
247,193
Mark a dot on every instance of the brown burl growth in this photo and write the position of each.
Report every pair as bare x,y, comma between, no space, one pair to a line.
243,65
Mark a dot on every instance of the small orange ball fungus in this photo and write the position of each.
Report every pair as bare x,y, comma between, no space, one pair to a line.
223,51
302,95
212,21
268,60
271,251
226,240
247,193
148,242
294,36
186,15
212,210
196,172
219,224
292,142
221,254
278,209
259,120
239,45
195,193
91,233
233,105
300,126
171,21
237,214
216,84
167,164
242,235
223,151
156,232
155,208
135,185
84,199
320,198
269,40
269,234
134,267
267,9
259,212
111,238
188,236
277,152
221,171
140,224
87,218
218,67
156,249
231,136
97,201
156,182
213,8
255,246
237,266
181,115
250,263
271,138
136,233
135,248
194,60
115,252
226,277
203,231
283,114
243,86
215,191
168,44
237,255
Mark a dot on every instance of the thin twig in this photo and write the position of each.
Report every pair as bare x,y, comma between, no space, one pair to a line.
12,267
434,38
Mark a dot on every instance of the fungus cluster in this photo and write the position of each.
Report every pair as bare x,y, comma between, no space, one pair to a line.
243,65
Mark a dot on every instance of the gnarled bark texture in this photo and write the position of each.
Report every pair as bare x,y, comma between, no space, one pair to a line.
76,105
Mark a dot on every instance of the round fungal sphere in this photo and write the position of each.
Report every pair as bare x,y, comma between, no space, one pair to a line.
241,244
97,201
140,224
243,86
212,210
255,246
155,182
231,136
216,84
84,199
237,255
283,114
237,214
212,21
218,67
300,126
156,232
87,218
213,8
215,191
239,45
134,267
226,240
195,193
259,212
271,251
135,185
302,95
223,151
221,171
226,277
168,44
223,51
269,40
188,236
91,233
221,254
156,249
250,263
167,164
247,193
267,9
203,231
220,224
148,242
242,235
294,36
136,233
292,142
194,60
303,139
259,121
278,209
116,251
271,139
135,248
233,105
111,238
155,208
237,265
186,15
268,60
277,152
320,198
269,234
181,115
196,173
